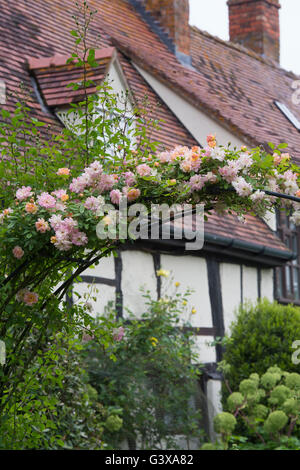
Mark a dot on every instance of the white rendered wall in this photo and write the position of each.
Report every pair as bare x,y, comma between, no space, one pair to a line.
230,275
213,403
198,123
137,271
191,272
250,284
267,284
270,219
105,268
204,351
101,292
117,79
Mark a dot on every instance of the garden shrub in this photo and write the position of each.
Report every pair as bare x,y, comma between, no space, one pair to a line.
269,407
151,377
261,337
55,407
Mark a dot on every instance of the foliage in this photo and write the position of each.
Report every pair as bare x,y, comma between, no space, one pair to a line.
262,335
151,379
48,227
268,405
54,407
36,276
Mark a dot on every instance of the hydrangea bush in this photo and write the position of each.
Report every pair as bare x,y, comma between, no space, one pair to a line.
268,405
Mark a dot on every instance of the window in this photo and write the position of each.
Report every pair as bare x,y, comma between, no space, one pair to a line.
112,126
288,114
287,279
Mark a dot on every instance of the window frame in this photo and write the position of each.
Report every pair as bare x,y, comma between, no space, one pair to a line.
287,277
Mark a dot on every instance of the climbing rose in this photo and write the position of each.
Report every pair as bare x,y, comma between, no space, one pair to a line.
47,201
23,193
143,170
18,252
42,226
30,298
129,178
211,140
132,194
93,203
242,187
115,196
63,172
31,208
119,333
79,238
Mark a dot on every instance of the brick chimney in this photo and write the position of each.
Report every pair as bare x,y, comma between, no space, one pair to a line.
173,17
255,25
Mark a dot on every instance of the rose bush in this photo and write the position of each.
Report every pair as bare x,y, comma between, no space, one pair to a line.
51,206
67,217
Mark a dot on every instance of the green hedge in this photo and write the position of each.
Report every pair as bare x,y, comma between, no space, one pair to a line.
261,337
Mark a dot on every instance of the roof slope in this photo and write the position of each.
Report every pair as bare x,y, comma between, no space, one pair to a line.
244,87
41,29
55,77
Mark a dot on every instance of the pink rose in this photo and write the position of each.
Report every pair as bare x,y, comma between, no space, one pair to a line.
30,298
18,252
115,196
47,201
23,193
42,226
143,170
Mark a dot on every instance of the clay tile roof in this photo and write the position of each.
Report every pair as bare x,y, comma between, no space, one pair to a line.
243,86
55,76
229,83
253,230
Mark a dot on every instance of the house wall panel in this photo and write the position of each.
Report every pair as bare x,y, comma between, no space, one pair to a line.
191,272
250,284
101,292
230,275
137,271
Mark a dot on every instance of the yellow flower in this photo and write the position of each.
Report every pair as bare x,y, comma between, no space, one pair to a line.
194,311
154,341
163,272
184,302
177,284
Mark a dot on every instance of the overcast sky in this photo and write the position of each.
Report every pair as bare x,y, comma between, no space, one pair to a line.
212,16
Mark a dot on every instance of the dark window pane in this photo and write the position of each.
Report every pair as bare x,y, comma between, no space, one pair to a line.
288,277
